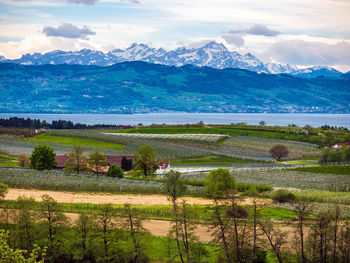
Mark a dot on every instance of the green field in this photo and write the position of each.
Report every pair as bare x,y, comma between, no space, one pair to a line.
70,141
326,169
163,212
317,136
8,161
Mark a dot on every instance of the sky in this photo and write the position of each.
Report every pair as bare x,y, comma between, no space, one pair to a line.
297,32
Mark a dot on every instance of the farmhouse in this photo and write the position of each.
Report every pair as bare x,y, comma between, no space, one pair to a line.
124,161
341,144
163,165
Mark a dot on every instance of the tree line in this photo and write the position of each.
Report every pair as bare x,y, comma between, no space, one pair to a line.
240,233
16,122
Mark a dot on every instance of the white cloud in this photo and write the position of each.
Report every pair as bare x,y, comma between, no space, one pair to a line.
257,29
234,39
84,2
41,43
68,30
32,40
300,52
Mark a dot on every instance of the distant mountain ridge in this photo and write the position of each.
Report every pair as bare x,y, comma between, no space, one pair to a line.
214,55
141,87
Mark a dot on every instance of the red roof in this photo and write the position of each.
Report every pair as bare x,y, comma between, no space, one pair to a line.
112,159
101,169
163,165
342,144
61,160
117,159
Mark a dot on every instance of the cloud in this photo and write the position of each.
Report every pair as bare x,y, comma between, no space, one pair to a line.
234,39
67,30
259,30
40,43
93,2
84,2
300,52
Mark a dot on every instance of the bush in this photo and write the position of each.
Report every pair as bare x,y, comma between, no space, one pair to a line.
3,190
42,158
23,160
258,188
341,154
115,171
279,151
283,196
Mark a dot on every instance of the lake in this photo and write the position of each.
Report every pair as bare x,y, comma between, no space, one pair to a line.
315,120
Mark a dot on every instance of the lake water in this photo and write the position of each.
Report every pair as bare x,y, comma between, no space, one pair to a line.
315,120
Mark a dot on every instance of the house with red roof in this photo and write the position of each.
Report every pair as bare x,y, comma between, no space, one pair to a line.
61,160
163,165
341,144
127,164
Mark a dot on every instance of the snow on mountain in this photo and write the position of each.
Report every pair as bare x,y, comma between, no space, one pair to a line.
317,71
275,68
212,54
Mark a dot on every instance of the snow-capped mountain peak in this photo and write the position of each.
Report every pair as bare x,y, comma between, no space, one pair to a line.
211,54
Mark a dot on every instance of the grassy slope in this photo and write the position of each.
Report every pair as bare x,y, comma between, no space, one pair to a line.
69,141
8,161
162,212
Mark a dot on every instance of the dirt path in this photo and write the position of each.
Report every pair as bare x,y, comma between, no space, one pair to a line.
105,198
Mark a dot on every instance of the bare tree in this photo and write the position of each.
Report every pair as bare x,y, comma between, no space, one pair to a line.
279,151
105,223
52,220
276,239
83,226
218,185
302,210
76,160
175,188
26,222
133,223
344,243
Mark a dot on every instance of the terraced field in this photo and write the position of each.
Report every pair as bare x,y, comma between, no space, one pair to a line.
69,141
260,147
58,180
192,137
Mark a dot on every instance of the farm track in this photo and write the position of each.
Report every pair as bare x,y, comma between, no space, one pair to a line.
153,226
103,198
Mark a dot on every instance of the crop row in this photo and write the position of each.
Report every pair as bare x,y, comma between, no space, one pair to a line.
261,146
191,137
166,151
285,178
62,181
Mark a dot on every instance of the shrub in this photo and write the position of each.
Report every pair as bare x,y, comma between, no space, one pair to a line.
218,183
279,151
283,196
341,154
115,171
42,158
23,160
258,188
3,190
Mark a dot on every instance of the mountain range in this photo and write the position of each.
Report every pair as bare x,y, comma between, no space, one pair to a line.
141,87
214,55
